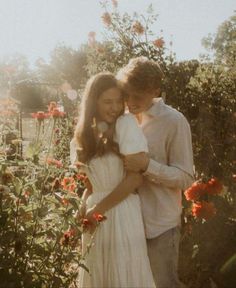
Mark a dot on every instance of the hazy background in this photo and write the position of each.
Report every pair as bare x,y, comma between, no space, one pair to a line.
34,27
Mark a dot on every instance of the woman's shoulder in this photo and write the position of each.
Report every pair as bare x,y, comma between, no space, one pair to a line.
126,119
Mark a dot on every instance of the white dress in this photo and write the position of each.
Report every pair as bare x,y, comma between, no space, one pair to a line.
118,257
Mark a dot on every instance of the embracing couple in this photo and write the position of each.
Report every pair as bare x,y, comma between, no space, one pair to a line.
137,171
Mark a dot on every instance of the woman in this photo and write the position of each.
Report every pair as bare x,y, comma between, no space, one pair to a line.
118,257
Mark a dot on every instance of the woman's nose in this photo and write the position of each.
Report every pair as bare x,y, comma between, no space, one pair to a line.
115,107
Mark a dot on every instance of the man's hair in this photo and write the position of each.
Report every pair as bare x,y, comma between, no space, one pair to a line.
141,74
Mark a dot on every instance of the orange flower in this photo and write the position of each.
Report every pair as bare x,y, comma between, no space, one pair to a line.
204,210
40,115
51,161
106,19
214,186
159,42
194,192
99,217
68,184
137,28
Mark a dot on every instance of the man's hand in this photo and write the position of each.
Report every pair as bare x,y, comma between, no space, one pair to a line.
136,162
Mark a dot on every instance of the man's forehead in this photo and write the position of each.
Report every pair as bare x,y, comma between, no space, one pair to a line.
134,93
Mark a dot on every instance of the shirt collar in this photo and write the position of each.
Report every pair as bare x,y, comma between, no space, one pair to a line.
155,109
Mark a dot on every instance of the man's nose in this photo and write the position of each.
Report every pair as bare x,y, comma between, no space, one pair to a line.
130,101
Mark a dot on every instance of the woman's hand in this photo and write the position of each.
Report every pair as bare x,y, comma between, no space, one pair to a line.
136,162
92,222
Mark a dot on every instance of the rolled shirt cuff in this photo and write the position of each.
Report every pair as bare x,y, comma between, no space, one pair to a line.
154,168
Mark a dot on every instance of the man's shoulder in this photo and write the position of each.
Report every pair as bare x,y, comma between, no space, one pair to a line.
173,114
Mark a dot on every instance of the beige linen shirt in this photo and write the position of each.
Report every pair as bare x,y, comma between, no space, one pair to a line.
170,168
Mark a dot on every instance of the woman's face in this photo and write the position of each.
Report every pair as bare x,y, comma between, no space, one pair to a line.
110,105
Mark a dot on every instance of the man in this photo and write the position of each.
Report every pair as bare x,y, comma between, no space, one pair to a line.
168,169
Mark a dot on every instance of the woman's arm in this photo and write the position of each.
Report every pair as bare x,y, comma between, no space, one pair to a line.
82,206
128,185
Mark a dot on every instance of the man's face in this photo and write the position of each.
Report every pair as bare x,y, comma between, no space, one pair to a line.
138,102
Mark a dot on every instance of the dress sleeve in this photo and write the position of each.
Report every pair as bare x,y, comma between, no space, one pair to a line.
129,135
73,153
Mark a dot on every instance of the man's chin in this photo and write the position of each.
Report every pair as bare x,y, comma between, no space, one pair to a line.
135,111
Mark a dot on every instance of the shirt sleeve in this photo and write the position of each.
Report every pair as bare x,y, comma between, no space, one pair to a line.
178,173
129,135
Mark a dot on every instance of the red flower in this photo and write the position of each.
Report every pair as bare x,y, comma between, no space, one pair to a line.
204,210
194,192
65,240
137,28
40,115
85,223
64,201
159,42
99,217
106,18
68,184
214,186
57,141
56,113
26,194
51,161
80,177
57,130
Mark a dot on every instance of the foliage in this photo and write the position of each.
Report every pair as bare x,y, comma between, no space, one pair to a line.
223,43
125,37
39,230
66,64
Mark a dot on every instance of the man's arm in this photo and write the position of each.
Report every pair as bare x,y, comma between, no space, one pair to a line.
179,171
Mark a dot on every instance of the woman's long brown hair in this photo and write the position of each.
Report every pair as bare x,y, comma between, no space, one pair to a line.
89,144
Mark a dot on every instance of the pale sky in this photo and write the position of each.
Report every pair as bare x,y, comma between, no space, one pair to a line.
34,27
